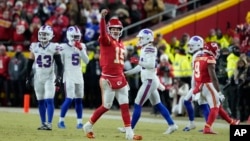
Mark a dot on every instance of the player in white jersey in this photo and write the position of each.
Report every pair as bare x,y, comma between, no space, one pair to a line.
44,54
72,54
195,46
150,82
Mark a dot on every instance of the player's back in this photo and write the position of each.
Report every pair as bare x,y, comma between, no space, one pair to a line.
112,58
44,61
71,59
201,63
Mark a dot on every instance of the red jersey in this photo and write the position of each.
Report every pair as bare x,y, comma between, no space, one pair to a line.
111,53
201,74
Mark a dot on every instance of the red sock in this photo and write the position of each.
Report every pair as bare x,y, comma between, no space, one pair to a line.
98,113
125,114
224,115
212,116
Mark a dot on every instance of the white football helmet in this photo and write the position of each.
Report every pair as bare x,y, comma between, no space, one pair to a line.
73,33
145,36
195,43
45,33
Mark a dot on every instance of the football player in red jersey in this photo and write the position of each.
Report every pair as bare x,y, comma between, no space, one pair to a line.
207,85
112,82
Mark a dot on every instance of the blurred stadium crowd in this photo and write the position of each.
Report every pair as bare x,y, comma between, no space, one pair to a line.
20,21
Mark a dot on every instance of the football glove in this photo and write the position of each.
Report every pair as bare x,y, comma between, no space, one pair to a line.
221,97
161,87
78,45
134,60
28,84
58,83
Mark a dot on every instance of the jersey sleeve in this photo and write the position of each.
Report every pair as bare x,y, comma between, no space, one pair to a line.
148,58
104,37
211,60
136,69
32,47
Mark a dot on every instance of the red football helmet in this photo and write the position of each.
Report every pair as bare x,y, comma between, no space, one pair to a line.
212,48
115,28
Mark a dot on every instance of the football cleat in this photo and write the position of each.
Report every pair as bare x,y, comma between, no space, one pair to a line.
201,130
61,125
49,126
137,137
79,126
121,129
171,129
90,135
189,127
235,122
129,134
207,130
88,129
45,127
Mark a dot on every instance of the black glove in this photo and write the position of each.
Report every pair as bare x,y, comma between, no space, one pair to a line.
58,84
28,84
58,81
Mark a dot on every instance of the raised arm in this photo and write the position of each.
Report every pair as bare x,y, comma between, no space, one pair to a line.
104,38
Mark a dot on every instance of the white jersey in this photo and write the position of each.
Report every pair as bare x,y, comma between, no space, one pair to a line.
44,62
71,59
148,62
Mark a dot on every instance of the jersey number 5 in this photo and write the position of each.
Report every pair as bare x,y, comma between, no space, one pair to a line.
119,55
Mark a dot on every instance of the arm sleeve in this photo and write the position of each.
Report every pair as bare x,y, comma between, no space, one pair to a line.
59,64
103,27
104,38
136,69
84,55
29,66
148,58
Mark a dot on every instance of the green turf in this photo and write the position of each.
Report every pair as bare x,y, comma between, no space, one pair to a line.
17,126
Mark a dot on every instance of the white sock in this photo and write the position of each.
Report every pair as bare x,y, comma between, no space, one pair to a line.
191,122
61,119
79,121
